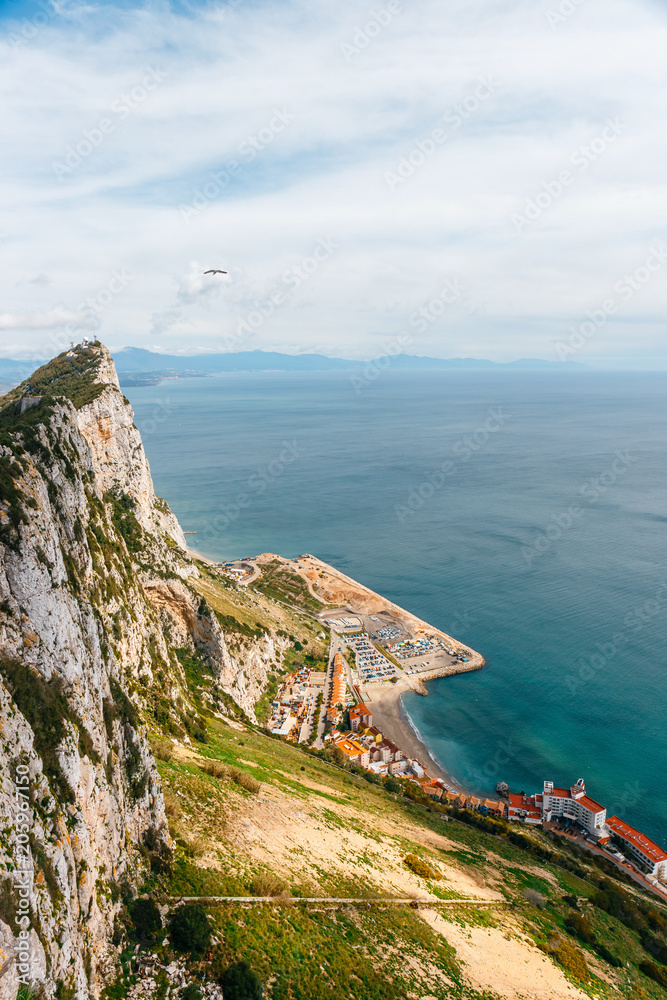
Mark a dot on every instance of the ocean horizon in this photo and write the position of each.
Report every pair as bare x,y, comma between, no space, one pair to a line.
522,513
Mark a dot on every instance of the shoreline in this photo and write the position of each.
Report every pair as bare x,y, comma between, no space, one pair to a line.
389,713
392,719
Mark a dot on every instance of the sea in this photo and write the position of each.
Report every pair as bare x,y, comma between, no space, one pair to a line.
523,512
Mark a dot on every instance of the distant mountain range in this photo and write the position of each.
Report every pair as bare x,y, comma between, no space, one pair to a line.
137,366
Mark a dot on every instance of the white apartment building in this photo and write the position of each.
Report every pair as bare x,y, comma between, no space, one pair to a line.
573,803
639,848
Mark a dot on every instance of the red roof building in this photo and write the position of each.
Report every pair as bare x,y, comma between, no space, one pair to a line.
639,847
361,717
573,804
524,809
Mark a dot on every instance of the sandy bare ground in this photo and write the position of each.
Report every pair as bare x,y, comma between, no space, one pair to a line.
307,842
335,849
503,959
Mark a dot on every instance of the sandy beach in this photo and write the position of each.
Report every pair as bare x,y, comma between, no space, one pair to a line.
391,719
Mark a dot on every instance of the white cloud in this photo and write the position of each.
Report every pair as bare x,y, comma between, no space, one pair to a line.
274,137
53,319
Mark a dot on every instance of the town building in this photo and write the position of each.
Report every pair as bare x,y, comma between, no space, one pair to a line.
573,804
354,751
435,788
361,717
338,689
524,809
639,848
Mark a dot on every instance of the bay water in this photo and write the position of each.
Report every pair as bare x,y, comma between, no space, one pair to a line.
522,512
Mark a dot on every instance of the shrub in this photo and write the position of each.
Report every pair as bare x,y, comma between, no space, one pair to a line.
245,780
217,769
268,884
654,972
571,959
535,898
420,867
580,927
239,982
146,919
190,929
604,953
195,846
191,992
655,947
164,750
172,806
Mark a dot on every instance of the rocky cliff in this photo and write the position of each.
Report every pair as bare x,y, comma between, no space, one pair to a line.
102,638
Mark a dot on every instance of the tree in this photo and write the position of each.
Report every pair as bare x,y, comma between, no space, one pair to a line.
239,982
146,919
190,929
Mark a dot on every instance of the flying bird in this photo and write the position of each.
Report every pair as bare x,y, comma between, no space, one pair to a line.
213,271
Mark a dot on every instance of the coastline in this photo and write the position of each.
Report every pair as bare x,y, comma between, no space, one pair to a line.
391,718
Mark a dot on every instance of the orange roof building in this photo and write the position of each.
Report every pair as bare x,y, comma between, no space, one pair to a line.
573,804
524,809
361,717
639,847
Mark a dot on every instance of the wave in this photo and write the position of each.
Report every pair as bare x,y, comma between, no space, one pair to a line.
413,727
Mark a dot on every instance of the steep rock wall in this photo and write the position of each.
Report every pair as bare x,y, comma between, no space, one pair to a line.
94,602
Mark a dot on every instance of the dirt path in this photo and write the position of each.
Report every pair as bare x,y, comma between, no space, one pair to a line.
351,901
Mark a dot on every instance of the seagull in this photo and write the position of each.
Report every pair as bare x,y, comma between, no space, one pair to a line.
213,271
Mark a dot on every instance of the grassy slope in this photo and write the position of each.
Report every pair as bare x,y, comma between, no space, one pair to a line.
315,830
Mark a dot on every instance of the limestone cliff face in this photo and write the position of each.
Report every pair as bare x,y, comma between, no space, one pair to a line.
98,626
117,454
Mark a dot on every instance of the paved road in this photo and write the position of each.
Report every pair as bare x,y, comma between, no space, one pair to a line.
623,865
321,725
255,575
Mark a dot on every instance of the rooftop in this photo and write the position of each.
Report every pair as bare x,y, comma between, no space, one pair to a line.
565,793
641,842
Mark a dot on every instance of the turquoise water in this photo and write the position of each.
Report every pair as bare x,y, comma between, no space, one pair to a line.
523,513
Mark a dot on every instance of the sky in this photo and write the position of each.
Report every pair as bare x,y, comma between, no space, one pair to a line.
437,178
